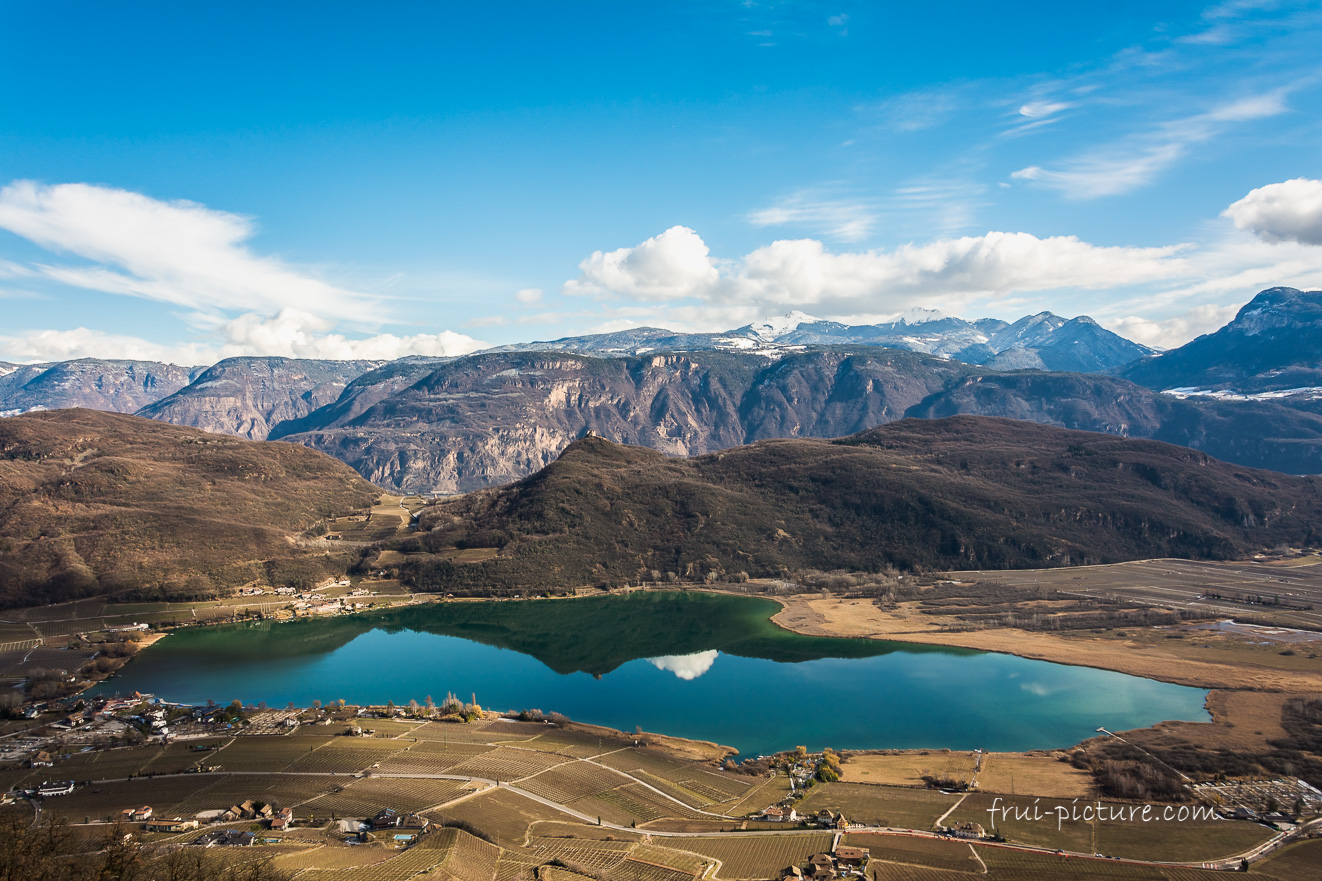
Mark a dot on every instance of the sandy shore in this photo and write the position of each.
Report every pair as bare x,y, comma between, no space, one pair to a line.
815,615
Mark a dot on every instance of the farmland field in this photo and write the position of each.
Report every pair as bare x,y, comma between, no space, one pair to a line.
879,805
364,798
936,853
747,857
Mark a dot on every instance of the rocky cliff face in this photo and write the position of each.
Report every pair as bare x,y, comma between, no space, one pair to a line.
247,396
93,383
492,418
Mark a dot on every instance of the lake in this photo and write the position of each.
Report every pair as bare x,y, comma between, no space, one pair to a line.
705,666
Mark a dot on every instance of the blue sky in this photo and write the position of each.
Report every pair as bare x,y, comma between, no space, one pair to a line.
187,181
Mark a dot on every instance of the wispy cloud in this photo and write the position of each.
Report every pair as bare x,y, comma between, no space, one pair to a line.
1135,161
177,252
844,219
194,258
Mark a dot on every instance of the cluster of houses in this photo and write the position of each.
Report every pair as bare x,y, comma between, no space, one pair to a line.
843,862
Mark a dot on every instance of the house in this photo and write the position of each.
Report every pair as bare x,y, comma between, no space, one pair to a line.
47,790
389,818
851,857
174,825
820,865
282,820
841,822
967,829
227,838
141,814
793,873
825,817
249,810
42,760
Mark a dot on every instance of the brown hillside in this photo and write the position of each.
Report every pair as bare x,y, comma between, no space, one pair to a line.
94,502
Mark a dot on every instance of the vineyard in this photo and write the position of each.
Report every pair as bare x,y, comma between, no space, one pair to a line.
760,857
507,764
933,852
346,756
885,805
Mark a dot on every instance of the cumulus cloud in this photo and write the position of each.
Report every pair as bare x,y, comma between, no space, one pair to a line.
668,266
686,666
288,334
176,252
1290,211
1135,161
804,273
529,296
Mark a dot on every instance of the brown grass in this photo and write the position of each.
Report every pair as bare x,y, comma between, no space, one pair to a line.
907,768
1040,775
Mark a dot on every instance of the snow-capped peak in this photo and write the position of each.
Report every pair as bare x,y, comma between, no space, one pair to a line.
774,328
918,315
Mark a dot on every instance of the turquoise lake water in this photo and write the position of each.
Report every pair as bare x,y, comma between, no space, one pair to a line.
696,665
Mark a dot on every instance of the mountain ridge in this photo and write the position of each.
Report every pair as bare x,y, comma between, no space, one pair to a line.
956,493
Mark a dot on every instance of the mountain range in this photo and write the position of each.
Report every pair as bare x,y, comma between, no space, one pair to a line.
1249,393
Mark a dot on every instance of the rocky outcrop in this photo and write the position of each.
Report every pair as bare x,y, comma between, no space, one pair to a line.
93,383
247,396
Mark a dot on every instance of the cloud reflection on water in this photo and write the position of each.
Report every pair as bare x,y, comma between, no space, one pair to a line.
686,666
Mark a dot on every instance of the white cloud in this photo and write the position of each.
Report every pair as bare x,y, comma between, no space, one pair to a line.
1043,109
177,252
529,296
848,221
803,273
686,667
1290,211
288,334
1136,161
667,266
1171,332
196,258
